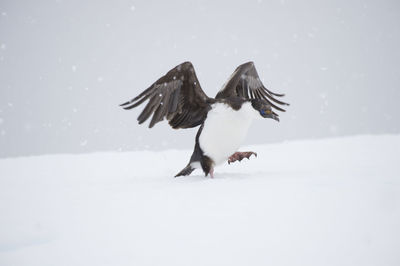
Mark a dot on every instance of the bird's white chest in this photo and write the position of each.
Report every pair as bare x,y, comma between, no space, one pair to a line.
224,130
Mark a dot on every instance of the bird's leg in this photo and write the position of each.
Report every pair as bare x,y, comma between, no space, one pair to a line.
212,172
238,156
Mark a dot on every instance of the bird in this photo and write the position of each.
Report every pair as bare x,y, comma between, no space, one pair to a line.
223,121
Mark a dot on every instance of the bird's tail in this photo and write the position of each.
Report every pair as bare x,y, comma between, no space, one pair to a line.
186,171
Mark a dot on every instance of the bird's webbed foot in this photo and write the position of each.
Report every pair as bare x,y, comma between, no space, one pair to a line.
238,156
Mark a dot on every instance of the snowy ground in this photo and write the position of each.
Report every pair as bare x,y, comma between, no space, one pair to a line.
322,202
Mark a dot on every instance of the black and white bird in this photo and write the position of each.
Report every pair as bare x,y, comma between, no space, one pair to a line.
223,120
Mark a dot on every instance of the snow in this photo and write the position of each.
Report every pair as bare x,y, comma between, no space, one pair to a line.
316,202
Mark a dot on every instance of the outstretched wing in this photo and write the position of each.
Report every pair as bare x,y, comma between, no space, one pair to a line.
246,83
176,96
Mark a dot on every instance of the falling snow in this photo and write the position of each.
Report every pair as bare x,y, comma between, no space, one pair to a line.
321,72
333,129
83,143
28,127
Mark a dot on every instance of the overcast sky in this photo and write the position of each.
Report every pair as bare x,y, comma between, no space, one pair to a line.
65,66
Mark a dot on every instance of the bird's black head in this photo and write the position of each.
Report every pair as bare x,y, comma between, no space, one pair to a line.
264,108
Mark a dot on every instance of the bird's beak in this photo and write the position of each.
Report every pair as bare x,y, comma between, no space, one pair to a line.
271,115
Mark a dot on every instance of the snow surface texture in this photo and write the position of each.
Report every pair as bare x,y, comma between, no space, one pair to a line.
320,202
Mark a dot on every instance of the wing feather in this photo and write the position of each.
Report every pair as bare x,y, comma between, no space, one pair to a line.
176,96
245,82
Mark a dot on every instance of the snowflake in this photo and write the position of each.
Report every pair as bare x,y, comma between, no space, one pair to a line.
84,143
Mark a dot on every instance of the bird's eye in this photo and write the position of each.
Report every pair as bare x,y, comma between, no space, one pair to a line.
265,112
